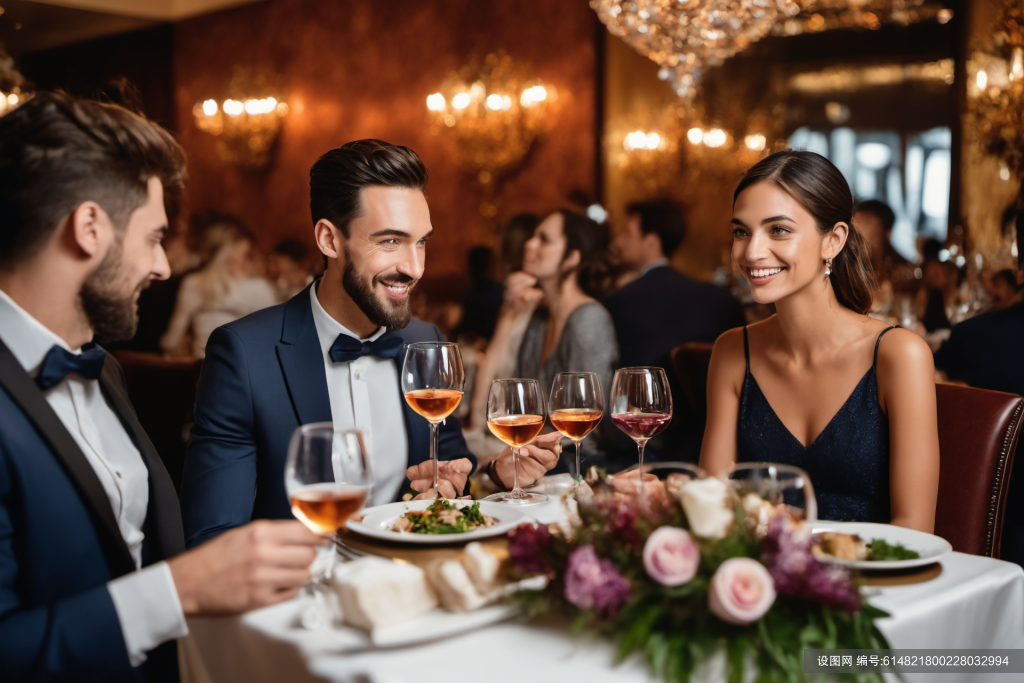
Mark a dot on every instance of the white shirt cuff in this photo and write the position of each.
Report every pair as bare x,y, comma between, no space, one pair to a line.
148,608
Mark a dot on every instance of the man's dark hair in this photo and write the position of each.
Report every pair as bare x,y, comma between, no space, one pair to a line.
58,151
336,179
664,218
879,209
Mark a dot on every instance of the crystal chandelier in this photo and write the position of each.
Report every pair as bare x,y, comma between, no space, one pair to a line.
493,111
685,37
246,122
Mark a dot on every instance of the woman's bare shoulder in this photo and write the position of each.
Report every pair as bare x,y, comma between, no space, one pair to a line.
728,350
902,350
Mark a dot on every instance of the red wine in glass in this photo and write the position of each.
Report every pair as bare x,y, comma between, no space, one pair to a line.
641,406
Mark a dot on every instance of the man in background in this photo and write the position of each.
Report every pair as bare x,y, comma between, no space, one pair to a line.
663,308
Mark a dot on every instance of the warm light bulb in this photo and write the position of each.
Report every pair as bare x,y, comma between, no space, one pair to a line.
210,107
233,107
461,101
695,136
494,102
653,140
12,99
436,102
506,102
715,137
982,79
634,140
533,95
755,142
1017,64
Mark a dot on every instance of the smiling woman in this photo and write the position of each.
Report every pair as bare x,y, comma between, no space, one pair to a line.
816,385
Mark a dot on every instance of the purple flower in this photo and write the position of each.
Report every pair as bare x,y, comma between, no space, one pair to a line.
526,546
593,583
797,572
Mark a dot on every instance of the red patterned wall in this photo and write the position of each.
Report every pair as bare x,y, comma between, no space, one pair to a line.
363,68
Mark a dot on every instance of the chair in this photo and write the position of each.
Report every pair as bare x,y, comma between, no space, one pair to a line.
163,392
690,361
978,435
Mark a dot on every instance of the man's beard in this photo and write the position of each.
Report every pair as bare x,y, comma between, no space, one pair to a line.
393,315
112,316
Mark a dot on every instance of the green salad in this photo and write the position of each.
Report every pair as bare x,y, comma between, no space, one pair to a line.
443,517
880,551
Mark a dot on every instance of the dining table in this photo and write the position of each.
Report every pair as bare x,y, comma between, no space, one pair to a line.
961,602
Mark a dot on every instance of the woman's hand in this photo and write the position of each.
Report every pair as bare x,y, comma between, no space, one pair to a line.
521,292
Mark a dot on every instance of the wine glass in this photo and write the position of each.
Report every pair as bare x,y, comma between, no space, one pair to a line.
515,414
641,406
432,381
778,485
576,407
327,477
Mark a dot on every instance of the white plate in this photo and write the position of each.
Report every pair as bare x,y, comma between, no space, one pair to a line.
378,521
931,548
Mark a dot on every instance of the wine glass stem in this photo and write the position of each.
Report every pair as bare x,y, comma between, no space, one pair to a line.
434,442
516,491
640,469
579,472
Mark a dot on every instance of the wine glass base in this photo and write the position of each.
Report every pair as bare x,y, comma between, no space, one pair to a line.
508,498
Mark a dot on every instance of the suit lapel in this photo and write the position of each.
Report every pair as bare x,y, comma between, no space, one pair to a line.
165,537
31,400
302,361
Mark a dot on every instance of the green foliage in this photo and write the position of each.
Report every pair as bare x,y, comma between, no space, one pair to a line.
429,521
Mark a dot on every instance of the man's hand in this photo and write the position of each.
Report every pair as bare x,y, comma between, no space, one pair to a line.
451,477
256,565
534,462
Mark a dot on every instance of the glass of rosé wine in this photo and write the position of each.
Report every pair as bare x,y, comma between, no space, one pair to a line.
515,414
641,406
327,477
432,381
576,407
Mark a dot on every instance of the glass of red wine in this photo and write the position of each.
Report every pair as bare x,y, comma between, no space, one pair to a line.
641,406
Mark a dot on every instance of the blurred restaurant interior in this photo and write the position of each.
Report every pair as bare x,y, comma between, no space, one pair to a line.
610,109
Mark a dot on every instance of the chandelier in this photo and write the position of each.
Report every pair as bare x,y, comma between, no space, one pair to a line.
687,37
246,122
492,111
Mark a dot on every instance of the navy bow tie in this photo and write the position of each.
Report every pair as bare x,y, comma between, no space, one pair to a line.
59,363
346,348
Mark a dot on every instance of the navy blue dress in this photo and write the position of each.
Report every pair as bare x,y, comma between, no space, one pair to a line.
848,462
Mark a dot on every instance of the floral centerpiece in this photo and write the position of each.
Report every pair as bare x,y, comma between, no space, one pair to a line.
691,569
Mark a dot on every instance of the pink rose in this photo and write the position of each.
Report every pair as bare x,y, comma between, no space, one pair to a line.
670,556
741,591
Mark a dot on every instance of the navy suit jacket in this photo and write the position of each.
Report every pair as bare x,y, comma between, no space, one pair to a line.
60,543
263,376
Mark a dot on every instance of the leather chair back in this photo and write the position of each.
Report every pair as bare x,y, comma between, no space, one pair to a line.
978,435
690,362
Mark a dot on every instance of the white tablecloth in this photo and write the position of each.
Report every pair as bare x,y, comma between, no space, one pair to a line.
976,602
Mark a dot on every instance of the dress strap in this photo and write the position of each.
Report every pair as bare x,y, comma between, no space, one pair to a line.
746,348
880,335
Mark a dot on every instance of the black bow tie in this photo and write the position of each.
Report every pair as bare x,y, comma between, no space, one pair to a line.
346,348
59,363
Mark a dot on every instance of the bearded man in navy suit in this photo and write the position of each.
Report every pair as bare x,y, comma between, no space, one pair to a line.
94,585
333,353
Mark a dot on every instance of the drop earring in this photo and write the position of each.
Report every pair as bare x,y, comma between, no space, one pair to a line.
828,266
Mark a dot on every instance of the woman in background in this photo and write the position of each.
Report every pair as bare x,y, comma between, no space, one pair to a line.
844,396
225,289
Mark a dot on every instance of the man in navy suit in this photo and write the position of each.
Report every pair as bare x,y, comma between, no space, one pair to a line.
662,309
333,353
94,585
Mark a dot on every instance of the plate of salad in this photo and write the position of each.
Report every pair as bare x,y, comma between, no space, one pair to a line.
861,545
436,522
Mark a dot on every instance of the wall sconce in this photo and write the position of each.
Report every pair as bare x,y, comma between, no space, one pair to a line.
246,122
493,111
11,83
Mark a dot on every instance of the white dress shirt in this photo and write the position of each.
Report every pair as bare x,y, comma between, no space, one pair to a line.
146,600
365,395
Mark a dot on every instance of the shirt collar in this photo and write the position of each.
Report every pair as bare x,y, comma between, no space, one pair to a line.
651,266
27,338
328,329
